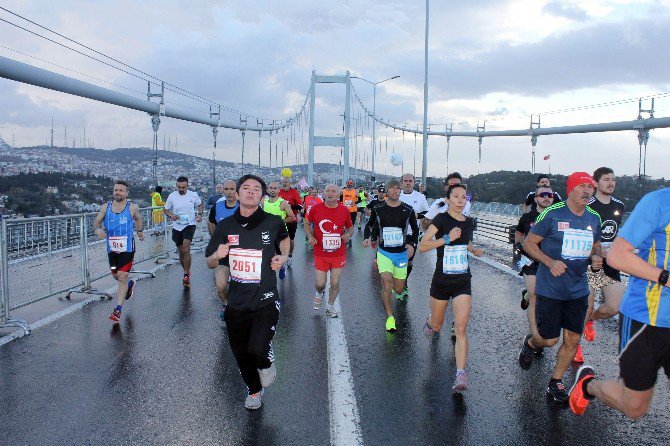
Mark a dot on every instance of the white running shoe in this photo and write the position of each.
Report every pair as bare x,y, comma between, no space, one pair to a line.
253,401
267,375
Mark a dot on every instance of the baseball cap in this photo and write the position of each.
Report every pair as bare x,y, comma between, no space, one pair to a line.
578,178
381,189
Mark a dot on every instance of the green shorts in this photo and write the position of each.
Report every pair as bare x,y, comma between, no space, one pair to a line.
386,265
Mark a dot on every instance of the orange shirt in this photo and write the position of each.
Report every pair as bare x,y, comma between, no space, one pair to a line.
349,199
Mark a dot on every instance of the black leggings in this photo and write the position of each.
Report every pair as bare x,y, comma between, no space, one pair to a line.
250,335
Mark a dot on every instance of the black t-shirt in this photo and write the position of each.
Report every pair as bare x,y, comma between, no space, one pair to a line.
458,258
530,199
526,222
253,283
374,202
610,217
389,224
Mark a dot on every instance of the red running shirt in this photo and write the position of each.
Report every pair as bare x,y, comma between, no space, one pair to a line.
329,225
310,202
292,196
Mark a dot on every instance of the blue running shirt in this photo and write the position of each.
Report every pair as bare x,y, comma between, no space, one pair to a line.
648,230
120,228
567,237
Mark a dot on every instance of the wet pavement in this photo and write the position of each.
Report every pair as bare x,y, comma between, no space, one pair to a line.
166,375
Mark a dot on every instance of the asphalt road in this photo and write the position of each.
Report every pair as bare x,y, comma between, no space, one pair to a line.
166,375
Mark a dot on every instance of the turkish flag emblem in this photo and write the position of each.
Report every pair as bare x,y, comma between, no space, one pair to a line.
233,239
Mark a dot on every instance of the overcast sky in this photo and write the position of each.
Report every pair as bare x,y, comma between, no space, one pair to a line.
495,61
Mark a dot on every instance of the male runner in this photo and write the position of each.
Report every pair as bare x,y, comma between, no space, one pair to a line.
275,205
180,207
349,198
544,198
440,205
390,223
570,235
329,228
311,199
644,322
294,199
378,198
225,207
363,199
120,217
608,280
418,202
216,196
542,180
157,204
248,241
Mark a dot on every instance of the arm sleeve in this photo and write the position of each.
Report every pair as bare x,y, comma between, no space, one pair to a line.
414,236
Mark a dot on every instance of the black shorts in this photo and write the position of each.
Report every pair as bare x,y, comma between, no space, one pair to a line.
611,272
643,350
529,270
361,210
447,291
291,228
555,314
187,233
120,261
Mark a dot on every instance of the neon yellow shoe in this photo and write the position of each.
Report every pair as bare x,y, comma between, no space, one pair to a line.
390,324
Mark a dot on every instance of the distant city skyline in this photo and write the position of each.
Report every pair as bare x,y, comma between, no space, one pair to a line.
497,62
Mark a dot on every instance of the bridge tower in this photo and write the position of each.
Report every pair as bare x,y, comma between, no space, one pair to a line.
331,141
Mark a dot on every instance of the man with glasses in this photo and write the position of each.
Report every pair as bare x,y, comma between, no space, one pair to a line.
544,197
542,180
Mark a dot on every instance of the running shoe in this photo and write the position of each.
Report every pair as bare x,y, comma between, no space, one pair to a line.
390,324
556,390
115,316
253,401
579,355
577,398
461,382
289,262
526,354
589,331
318,300
524,300
405,293
268,375
399,297
539,352
187,280
331,313
282,273
131,285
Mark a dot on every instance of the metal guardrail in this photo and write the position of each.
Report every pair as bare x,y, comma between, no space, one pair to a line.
61,255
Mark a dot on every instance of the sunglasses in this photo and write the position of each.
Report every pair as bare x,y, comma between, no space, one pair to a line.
545,194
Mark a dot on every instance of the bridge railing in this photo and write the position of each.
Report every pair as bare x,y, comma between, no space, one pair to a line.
60,255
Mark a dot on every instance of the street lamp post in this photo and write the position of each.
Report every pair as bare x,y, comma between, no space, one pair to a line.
374,112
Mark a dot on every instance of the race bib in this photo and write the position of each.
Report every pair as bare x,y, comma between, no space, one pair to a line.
577,244
183,219
348,203
524,261
118,243
605,247
455,260
245,265
331,242
393,237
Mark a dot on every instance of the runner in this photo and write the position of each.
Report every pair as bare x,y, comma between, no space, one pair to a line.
294,199
422,188
607,279
180,207
332,230
544,198
378,198
120,218
275,205
418,202
349,198
440,205
157,204
248,241
451,234
363,199
389,223
216,196
644,322
225,207
311,200
542,180
570,235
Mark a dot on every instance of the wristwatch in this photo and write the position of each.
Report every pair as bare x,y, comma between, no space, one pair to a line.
663,277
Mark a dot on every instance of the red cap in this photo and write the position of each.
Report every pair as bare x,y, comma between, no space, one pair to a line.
578,178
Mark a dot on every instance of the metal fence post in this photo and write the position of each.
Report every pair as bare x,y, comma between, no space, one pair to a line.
85,271
5,320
